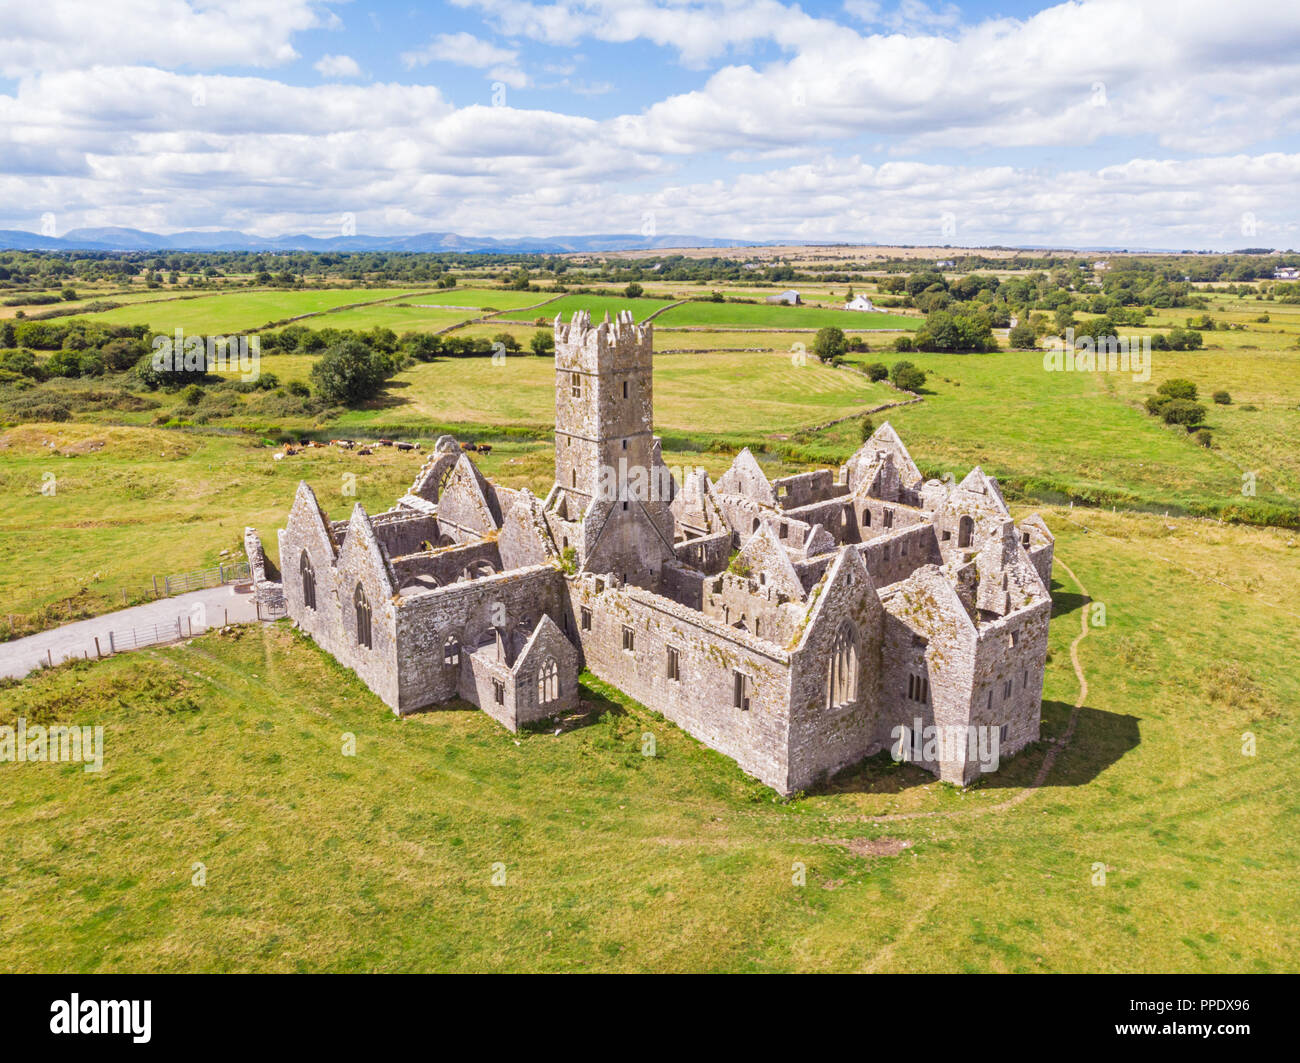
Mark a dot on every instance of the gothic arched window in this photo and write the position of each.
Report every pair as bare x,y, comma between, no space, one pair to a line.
842,687
307,574
363,616
548,682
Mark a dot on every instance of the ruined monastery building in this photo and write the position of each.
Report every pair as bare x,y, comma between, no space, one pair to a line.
792,624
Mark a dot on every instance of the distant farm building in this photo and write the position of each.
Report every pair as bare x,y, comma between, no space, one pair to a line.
1286,273
790,298
859,302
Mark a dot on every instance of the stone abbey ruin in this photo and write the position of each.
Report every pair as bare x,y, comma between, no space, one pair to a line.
796,625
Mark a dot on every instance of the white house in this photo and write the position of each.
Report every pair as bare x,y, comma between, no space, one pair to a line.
1286,273
859,302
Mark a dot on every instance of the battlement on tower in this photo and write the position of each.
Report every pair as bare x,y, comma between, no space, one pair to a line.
611,346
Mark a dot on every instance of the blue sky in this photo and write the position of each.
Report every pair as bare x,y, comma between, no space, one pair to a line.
1097,122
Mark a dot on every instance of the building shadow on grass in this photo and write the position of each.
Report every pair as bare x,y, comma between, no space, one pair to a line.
1065,602
1100,739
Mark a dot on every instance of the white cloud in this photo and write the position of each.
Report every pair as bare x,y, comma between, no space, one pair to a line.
194,34
463,49
337,66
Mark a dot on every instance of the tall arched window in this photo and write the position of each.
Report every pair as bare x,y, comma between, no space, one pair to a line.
965,529
307,574
843,684
363,616
548,682
451,652
866,518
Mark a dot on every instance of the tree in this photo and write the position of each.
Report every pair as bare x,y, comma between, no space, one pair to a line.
829,343
542,342
633,290
1023,337
348,373
907,376
877,371
867,428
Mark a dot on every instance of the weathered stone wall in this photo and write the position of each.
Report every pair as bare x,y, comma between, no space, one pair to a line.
825,737
469,611
894,557
701,702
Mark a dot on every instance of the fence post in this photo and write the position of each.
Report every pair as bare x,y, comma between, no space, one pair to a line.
178,627
111,647
97,653
155,586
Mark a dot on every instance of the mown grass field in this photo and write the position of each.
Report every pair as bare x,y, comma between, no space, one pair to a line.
229,312
1086,435
596,305
761,315
689,390
228,753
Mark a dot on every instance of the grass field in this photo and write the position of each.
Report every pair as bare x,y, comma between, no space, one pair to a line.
227,753
596,305
229,312
780,396
752,315
1085,435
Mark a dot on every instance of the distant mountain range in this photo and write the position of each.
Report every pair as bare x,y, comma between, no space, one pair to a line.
119,239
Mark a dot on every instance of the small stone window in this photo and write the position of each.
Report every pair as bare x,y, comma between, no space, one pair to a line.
576,385
918,688
629,640
1003,731
1006,690
451,652
866,518
498,692
1013,639
586,619
674,664
624,389
889,518
742,688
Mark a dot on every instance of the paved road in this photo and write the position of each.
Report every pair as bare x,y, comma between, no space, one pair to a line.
197,610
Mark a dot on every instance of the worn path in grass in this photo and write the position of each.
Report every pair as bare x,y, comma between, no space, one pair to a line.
195,611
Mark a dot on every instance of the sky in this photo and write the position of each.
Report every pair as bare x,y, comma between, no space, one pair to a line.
1117,123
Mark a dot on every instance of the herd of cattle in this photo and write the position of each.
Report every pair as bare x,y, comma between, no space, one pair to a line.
366,448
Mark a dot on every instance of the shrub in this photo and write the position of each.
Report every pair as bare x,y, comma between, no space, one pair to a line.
877,371
903,345
1183,412
191,394
1178,388
907,376
866,428
1222,398
297,387
633,290
1203,437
